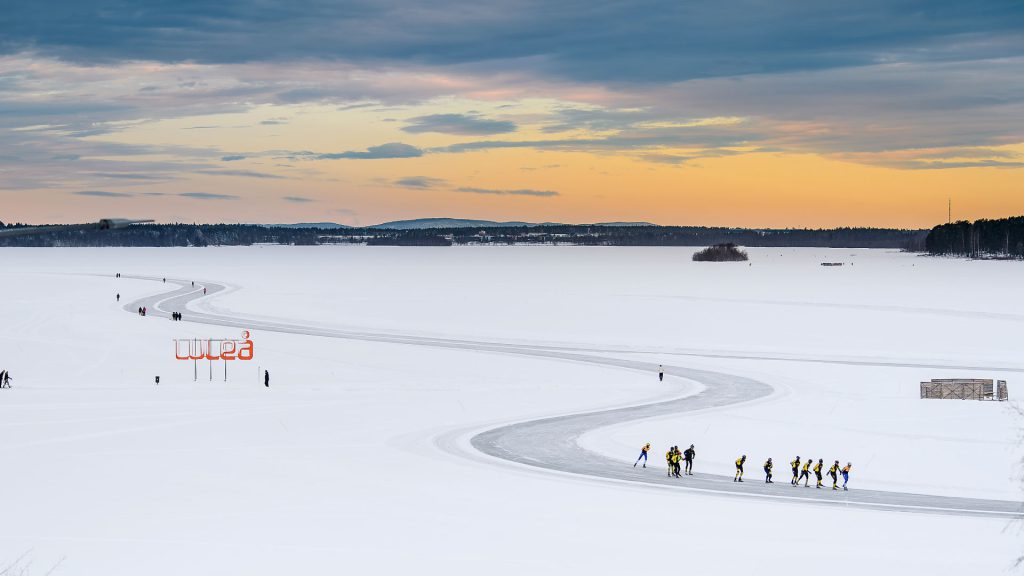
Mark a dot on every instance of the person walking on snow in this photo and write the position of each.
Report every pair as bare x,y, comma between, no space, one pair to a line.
834,473
739,468
2,374
661,373
795,464
688,455
676,457
668,460
768,471
204,290
805,474
643,454
817,470
846,475
7,379
266,378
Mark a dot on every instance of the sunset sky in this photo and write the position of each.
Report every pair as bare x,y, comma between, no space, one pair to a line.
748,113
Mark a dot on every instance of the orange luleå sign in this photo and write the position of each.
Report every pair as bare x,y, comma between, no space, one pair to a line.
214,348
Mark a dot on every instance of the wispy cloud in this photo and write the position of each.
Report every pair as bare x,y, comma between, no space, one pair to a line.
389,150
419,182
103,194
296,199
232,157
519,192
240,173
208,196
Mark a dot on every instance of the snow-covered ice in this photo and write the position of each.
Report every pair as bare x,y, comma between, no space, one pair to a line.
336,467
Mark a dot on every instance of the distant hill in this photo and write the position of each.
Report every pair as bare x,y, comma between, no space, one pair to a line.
325,225
624,224
425,223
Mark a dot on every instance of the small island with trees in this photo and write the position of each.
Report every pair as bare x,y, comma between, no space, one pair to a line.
727,252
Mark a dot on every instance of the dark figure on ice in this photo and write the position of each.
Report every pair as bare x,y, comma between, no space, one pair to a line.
689,455
805,473
266,378
834,473
739,468
140,310
118,297
165,280
661,373
768,471
143,310
643,455
204,290
6,380
795,464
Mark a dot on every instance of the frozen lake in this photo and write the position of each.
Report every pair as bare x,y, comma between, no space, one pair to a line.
337,466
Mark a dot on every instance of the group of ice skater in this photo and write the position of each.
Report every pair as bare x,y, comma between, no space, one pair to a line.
801,472
680,463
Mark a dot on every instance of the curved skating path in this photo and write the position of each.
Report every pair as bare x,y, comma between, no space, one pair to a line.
551,443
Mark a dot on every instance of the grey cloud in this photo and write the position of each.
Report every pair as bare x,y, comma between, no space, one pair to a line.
240,173
296,199
460,124
419,182
103,194
232,158
208,196
520,192
389,150
603,40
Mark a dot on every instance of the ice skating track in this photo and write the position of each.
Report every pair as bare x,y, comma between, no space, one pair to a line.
551,443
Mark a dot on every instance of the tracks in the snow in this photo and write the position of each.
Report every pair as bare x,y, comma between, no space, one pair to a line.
551,443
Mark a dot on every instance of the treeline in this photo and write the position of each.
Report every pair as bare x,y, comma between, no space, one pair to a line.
160,235
1003,238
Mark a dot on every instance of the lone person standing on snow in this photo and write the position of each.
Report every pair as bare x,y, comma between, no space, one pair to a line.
118,297
688,455
266,378
643,455
661,373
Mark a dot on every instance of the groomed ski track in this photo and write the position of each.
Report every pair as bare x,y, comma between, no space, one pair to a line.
551,443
